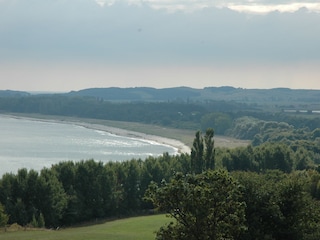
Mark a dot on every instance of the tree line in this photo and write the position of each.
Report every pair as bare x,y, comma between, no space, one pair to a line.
207,201
238,205
227,118
74,192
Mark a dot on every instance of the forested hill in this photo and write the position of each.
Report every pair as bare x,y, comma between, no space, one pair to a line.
140,93
278,96
11,93
236,112
274,96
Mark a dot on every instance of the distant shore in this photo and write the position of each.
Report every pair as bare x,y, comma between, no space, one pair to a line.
181,147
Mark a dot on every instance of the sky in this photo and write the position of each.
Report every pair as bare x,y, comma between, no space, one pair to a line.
64,45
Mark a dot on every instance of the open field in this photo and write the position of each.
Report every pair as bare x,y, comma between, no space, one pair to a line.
135,228
185,136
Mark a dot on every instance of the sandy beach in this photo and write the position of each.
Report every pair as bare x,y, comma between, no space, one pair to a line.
181,147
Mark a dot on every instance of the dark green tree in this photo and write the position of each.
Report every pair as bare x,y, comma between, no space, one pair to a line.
240,159
203,152
131,187
197,152
6,194
34,221
274,156
3,216
204,206
18,213
303,159
279,206
93,190
299,212
209,157
316,133
52,198
217,120
41,222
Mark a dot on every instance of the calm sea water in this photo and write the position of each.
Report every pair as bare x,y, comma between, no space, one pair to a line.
35,144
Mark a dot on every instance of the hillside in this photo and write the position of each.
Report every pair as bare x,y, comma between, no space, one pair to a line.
11,93
282,96
134,228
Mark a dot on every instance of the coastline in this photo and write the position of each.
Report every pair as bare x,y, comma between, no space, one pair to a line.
180,146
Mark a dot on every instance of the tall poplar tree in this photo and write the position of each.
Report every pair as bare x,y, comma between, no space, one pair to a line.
203,152
197,154
209,150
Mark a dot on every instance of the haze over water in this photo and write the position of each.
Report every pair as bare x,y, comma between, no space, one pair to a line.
35,144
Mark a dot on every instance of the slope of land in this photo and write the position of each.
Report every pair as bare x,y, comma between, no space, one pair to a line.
283,96
135,228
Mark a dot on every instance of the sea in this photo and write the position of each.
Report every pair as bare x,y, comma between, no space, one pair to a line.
36,144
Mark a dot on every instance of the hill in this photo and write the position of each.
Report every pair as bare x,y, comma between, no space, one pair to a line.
11,93
277,96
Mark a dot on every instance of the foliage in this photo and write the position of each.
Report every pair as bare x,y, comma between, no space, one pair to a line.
27,194
209,154
41,222
253,128
220,122
197,151
70,193
174,114
261,132
3,217
52,197
279,206
267,156
205,206
259,123
203,152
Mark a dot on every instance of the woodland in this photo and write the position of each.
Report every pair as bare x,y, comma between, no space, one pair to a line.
269,189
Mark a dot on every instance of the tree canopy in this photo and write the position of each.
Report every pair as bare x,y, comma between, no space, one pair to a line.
203,152
204,206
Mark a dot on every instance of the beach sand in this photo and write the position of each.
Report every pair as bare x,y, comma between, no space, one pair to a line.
181,147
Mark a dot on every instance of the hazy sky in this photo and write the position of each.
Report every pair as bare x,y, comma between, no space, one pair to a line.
63,45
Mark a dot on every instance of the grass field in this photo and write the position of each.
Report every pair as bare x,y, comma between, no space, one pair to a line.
136,228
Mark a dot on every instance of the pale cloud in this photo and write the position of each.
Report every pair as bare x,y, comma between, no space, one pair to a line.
249,6
129,43
264,9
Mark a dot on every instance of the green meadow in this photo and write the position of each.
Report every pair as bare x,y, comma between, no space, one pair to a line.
135,228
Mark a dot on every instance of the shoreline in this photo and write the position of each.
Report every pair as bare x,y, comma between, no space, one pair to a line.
180,146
